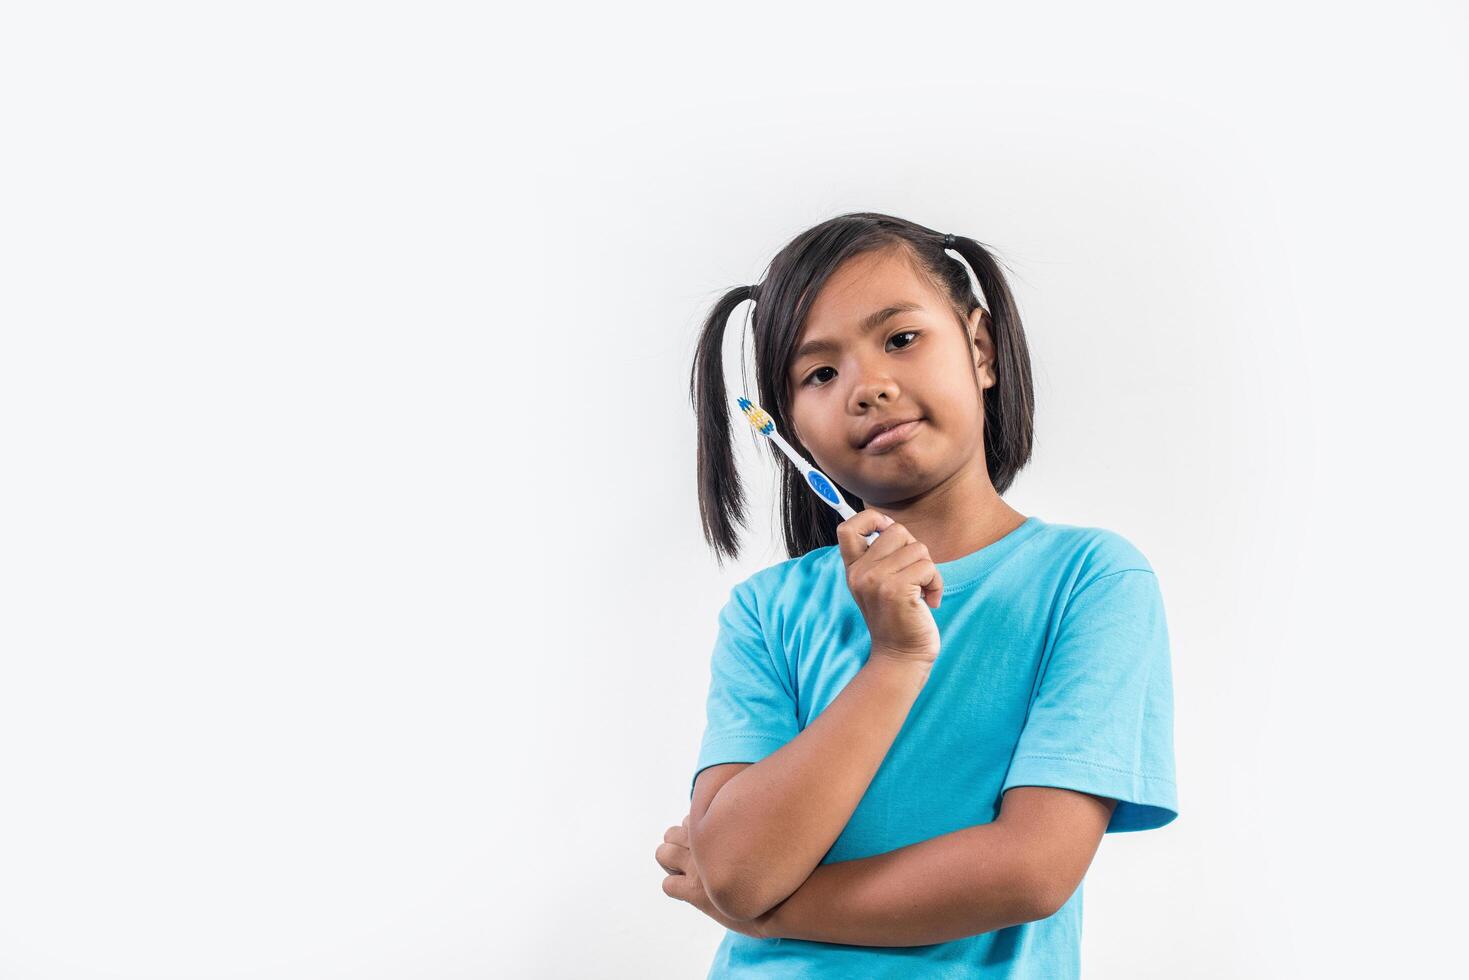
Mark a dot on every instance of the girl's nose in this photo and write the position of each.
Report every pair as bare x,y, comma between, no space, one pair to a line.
878,390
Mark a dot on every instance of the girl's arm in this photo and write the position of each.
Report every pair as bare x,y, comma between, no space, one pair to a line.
1023,866
759,835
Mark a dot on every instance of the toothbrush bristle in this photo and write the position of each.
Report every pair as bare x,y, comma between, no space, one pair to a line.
762,422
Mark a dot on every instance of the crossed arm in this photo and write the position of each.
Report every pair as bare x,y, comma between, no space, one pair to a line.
757,834
1022,866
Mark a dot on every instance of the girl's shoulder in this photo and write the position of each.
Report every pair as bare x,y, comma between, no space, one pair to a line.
798,577
1096,551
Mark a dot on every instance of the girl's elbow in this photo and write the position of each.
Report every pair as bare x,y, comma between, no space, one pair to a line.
739,883
1044,894
739,896
1035,890
737,901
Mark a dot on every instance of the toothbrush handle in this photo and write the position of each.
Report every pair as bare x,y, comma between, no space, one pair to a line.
815,479
846,512
819,484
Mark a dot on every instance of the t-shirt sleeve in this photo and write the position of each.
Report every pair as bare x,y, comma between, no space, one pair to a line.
751,708
1101,720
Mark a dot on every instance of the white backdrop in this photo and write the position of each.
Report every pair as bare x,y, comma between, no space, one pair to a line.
356,618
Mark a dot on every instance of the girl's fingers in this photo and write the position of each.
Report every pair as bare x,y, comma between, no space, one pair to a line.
672,858
932,582
852,531
902,560
911,563
673,854
679,887
893,539
935,585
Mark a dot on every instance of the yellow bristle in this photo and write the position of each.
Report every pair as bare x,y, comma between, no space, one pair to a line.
757,416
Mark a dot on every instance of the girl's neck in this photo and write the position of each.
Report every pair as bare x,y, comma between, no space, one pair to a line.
958,517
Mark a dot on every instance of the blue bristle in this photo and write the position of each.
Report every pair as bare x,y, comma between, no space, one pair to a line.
745,406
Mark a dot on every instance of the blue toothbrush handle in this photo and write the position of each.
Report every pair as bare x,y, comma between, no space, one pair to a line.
826,490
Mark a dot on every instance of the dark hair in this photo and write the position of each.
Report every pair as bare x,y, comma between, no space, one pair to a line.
792,281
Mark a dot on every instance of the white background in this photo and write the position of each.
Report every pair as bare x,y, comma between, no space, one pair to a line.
356,617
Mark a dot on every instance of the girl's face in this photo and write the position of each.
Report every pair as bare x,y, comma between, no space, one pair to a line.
881,345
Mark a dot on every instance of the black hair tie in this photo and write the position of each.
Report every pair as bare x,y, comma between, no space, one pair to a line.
754,292
948,241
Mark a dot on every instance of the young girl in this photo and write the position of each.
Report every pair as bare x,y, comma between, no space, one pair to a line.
913,747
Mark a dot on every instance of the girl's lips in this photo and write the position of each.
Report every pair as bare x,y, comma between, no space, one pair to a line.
893,436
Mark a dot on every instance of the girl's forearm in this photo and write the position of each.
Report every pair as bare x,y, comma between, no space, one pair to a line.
768,827
959,884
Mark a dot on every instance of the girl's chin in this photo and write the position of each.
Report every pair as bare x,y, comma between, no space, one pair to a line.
902,476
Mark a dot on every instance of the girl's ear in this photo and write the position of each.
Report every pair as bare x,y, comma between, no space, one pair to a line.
983,345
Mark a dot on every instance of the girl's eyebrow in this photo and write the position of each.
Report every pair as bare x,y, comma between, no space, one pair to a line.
870,322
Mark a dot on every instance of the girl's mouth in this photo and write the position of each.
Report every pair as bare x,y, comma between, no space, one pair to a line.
893,436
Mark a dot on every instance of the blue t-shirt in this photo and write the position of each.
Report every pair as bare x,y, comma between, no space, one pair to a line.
1053,670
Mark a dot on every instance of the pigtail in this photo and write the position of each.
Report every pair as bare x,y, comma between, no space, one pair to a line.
721,496
1009,406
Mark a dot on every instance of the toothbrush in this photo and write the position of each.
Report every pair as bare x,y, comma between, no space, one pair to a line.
815,479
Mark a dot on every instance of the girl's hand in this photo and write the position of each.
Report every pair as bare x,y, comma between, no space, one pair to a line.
684,884
895,584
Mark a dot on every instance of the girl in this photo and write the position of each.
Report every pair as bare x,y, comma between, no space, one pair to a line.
913,748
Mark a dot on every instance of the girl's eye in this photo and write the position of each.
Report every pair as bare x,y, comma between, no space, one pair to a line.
813,374
902,333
